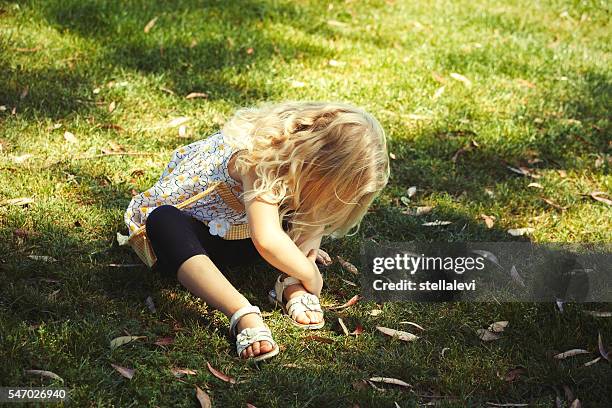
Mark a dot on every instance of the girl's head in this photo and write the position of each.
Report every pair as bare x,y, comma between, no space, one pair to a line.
324,163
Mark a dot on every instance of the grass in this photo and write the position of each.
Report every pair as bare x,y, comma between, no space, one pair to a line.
541,89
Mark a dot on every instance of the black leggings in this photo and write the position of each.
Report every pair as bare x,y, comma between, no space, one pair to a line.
175,237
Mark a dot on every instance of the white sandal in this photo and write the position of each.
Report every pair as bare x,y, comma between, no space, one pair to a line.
251,335
303,303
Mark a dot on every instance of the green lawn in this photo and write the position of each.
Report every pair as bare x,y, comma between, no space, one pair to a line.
538,96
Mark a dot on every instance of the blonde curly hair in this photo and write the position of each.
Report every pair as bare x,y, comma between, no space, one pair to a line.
322,163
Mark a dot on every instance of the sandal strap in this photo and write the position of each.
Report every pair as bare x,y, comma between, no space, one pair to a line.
281,284
303,303
239,314
251,335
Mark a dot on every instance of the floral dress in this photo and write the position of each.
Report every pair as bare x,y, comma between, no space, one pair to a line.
193,169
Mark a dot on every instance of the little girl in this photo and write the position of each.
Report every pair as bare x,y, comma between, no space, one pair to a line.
270,185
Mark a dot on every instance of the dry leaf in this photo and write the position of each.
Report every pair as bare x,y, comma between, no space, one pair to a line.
194,95
177,121
576,404
182,131
525,83
120,341
413,324
297,84
334,63
375,312
602,349
21,159
319,339
514,374
411,191
111,107
486,335
438,92
358,330
488,219
517,232
597,195
180,372
350,303
203,398
498,327
596,313
401,335
45,373
164,341
335,23
347,266
124,371
21,201
122,239
42,258
553,204
70,137
150,304
570,353
461,78
535,185
388,380
323,258
590,363
343,326
516,277
150,25
392,156
220,375
436,223
250,51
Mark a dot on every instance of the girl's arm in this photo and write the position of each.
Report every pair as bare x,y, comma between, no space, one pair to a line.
274,244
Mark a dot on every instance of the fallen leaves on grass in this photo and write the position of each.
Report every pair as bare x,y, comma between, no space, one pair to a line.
42,258
461,78
597,313
124,371
598,196
335,63
602,349
70,137
343,326
517,232
400,334
122,239
335,23
514,374
120,341
486,335
439,92
375,312
590,363
347,266
179,372
418,326
498,327
411,191
523,171
203,398
164,341
553,204
21,159
45,373
350,303
508,404
150,25
389,380
436,223
112,106
570,353
195,95
488,219
177,121
467,148
150,304
358,330
535,185
21,201
297,84
319,339
220,375
323,258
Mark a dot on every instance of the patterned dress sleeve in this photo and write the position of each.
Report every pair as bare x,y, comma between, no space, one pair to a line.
179,181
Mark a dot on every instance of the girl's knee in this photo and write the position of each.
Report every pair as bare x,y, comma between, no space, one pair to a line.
162,215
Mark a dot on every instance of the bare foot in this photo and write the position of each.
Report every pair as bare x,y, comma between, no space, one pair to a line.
259,347
307,317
